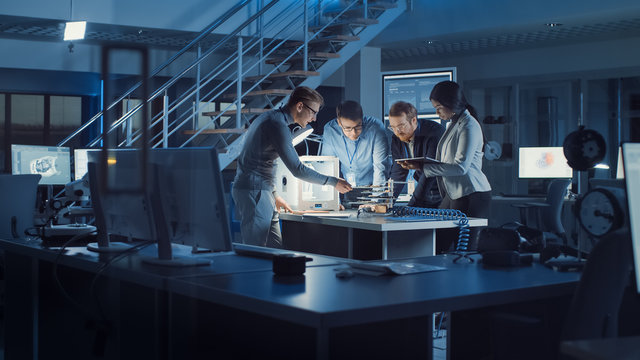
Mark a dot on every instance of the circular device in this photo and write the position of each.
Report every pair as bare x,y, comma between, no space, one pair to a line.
599,212
584,149
492,150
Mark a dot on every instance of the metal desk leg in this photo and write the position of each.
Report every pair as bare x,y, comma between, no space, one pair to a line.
350,243
322,344
384,245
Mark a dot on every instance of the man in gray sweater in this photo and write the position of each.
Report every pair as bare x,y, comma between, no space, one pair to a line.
267,139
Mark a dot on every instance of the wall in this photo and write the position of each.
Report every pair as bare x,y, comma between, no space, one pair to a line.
548,63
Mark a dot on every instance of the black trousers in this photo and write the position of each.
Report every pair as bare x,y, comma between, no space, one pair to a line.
477,204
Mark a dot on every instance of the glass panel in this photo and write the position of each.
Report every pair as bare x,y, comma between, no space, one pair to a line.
65,116
27,119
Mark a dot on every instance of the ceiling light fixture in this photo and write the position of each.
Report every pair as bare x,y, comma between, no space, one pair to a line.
74,30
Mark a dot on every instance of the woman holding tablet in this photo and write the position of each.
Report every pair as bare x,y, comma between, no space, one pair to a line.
461,182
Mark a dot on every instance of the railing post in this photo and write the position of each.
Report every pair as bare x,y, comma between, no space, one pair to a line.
261,32
239,86
305,28
165,120
365,5
197,105
128,124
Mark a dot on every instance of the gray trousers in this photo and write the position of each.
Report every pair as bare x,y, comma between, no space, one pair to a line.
259,220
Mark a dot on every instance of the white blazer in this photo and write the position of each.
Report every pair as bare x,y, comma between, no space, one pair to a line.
460,151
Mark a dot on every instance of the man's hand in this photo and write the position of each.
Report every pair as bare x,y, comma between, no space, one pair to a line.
409,165
282,204
343,186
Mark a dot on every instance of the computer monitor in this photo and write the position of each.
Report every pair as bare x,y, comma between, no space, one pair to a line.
543,163
121,215
414,87
80,160
631,163
51,162
619,168
192,194
183,202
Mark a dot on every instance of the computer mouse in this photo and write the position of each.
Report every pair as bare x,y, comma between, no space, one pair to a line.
344,273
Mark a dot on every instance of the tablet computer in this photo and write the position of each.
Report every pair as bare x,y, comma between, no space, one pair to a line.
424,160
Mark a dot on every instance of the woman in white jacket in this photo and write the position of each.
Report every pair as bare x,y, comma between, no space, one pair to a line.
461,182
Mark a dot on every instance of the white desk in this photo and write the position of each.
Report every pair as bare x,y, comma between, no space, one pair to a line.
390,238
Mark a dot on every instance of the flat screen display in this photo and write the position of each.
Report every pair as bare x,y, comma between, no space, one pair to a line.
80,160
414,87
543,163
631,164
51,162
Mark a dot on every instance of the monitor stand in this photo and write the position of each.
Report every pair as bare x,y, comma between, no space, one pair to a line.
165,253
104,246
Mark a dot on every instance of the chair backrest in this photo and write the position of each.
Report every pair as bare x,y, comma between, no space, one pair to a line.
594,309
552,217
18,194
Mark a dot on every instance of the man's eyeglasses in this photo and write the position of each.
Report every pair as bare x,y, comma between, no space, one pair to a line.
400,127
309,107
356,128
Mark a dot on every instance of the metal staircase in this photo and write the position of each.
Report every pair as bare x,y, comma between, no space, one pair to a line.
232,78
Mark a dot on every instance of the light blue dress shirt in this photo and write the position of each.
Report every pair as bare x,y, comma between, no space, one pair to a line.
368,157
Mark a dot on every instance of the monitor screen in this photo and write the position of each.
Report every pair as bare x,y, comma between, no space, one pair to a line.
121,214
619,168
543,162
80,160
413,87
51,162
631,161
189,184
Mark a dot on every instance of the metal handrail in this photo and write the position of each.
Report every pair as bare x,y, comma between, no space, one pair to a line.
175,78
214,25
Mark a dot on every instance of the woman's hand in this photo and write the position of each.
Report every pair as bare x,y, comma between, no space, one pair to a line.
409,165
282,204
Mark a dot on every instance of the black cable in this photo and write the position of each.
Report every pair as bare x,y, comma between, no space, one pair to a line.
105,266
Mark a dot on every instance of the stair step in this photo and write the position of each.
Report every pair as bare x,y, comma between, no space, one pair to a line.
233,112
325,39
353,22
291,73
381,5
312,56
216,131
273,92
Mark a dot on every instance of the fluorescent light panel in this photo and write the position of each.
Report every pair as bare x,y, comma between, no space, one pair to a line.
74,30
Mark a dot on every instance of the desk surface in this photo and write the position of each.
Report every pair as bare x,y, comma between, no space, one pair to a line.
321,299
379,222
624,348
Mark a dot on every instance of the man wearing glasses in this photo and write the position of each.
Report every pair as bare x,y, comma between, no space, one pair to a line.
267,139
413,137
360,143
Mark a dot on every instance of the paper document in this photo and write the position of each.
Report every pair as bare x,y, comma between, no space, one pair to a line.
393,268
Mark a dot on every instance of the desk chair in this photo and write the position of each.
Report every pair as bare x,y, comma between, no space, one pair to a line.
18,194
595,305
592,313
548,214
